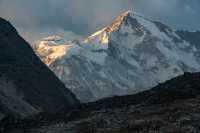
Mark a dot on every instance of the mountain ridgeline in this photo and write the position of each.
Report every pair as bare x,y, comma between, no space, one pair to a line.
130,55
27,86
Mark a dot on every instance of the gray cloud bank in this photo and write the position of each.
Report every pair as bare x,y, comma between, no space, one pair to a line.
39,18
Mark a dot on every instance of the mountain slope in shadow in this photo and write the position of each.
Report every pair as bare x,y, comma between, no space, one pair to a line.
170,107
27,86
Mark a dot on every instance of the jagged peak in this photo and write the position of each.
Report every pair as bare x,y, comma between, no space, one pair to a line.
117,22
103,33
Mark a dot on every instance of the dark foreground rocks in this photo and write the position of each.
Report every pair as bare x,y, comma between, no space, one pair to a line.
171,107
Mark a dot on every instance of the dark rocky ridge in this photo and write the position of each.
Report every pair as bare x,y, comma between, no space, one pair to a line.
32,80
183,87
170,107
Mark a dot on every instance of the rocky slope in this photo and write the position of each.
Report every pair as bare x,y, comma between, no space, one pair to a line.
27,86
171,107
128,56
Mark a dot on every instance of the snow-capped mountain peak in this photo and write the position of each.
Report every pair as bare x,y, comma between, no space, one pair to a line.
117,22
127,23
130,55
102,36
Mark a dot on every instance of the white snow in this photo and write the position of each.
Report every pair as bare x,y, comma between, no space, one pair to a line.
105,75
151,27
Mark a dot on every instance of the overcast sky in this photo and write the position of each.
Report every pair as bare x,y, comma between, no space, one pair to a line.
70,18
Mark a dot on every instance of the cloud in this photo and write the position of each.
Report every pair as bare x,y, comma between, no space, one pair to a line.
77,15
180,14
81,17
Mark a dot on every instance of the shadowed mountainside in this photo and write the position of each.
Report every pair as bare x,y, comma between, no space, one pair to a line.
27,86
170,107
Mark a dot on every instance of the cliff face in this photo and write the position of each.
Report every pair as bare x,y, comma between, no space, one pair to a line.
27,85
